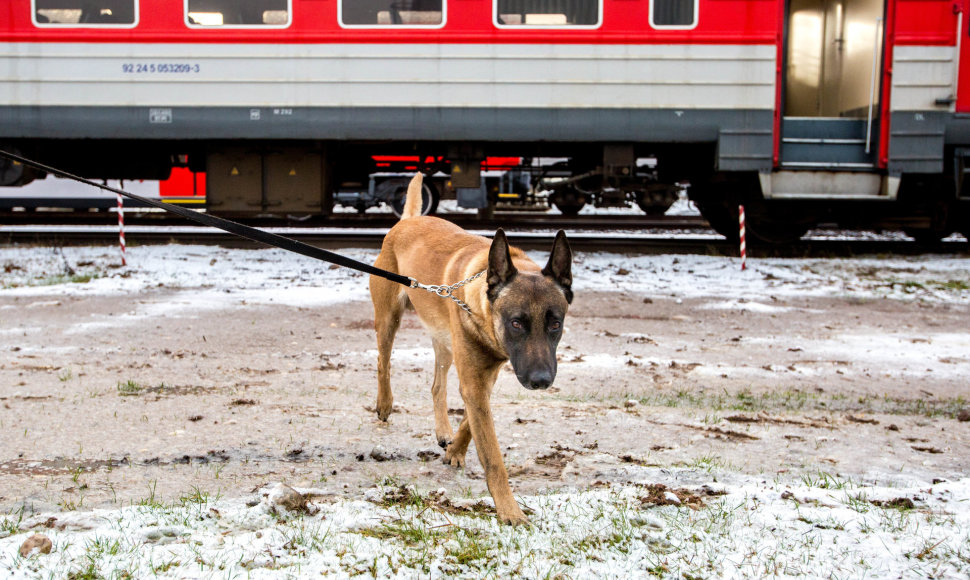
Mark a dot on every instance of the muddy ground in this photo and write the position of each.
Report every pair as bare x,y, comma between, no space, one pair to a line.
101,408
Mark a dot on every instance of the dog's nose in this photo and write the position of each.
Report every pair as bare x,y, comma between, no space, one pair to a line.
540,379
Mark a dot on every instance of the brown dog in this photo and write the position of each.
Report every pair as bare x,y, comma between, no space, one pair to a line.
515,313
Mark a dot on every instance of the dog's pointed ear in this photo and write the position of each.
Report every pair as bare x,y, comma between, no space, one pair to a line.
559,267
500,267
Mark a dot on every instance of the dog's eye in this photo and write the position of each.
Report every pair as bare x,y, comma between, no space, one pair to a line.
516,324
555,325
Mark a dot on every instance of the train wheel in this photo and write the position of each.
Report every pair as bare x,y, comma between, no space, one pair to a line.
716,197
927,236
930,196
762,224
776,231
568,200
940,225
722,218
14,173
774,224
656,200
429,199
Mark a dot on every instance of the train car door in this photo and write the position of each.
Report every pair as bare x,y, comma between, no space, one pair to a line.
831,84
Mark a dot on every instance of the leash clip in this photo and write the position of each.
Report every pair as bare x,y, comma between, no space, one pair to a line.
443,291
448,291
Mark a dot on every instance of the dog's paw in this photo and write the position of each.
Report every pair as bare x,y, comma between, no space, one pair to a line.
444,442
513,516
454,459
384,411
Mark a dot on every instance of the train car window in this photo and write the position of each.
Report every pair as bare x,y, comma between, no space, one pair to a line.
547,13
673,13
237,13
85,13
379,13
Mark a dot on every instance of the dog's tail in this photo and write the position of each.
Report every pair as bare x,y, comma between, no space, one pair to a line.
412,203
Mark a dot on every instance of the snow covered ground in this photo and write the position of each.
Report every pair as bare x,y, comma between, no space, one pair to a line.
664,522
747,528
272,275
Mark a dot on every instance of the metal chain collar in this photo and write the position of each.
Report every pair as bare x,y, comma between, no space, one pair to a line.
448,291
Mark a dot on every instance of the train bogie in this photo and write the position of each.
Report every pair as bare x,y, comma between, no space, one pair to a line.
389,189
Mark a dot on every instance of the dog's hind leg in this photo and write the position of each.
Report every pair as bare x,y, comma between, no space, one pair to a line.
389,302
439,389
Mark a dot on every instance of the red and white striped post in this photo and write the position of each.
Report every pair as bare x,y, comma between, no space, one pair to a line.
744,251
121,228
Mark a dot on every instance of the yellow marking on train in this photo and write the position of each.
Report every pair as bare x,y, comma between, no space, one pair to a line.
184,200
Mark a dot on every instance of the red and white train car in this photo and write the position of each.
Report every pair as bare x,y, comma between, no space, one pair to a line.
802,109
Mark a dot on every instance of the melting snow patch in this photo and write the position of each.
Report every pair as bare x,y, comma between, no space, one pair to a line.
945,354
745,305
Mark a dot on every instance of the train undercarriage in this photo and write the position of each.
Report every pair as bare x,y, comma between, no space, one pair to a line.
310,179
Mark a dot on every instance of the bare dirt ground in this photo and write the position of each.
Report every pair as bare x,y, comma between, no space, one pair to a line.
98,410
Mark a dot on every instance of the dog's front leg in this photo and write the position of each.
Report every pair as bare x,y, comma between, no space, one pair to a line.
439,390
388,307
476,390
455,454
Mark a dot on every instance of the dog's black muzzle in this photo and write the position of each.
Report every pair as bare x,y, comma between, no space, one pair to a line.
536,379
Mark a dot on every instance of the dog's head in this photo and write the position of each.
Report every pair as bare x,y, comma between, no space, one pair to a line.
529,309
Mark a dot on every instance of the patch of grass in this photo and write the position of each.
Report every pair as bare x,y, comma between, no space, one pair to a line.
911,286
401,495
469,548
708,463
10,524
150,500
411,532
857,502
306,536
424,534
953,285
797,401
76,474
197,498
89,572
71,505
893,519
744,400
19,277
64,279
129,388
165,566
824,480
99,547
96,552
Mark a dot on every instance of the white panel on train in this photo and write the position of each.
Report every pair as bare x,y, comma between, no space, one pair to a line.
584,76
921,75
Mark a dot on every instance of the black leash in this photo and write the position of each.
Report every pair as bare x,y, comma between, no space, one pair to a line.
232,227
